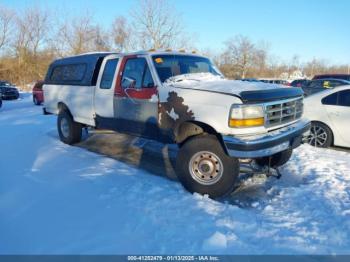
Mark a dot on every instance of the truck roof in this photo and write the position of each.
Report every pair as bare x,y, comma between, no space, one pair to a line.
86,57
86,66
162,52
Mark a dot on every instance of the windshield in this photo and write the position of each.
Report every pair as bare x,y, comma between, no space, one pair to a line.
173,65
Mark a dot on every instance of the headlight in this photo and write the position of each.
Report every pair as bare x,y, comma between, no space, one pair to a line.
246,116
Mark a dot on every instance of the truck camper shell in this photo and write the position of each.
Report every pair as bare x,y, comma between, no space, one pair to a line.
79,70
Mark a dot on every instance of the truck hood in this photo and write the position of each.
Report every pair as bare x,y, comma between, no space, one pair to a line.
247,91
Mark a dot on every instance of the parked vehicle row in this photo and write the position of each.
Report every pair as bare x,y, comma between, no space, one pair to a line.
299,82
275,81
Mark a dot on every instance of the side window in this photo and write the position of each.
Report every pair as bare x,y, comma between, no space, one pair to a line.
136,70
67,73
57,73
344,98
108,73
337,83
331,99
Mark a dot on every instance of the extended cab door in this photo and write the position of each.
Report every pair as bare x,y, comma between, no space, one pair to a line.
104,90
136,98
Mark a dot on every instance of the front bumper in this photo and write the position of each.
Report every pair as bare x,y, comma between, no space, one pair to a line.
10,95
267,144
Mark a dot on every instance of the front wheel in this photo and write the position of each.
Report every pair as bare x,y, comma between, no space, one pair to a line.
70,132
320,135
203,167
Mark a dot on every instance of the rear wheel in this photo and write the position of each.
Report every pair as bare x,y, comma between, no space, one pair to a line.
70,132
203,167
320,135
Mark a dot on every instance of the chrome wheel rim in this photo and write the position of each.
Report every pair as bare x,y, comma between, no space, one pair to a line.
318,136
206,168
64,127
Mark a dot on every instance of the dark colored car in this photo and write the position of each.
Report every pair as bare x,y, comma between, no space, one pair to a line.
315,86
8,91
333,76
300,83
38,93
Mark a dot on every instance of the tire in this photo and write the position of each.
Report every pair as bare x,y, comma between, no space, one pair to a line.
69,131
320,135
203,167
276,160
35,101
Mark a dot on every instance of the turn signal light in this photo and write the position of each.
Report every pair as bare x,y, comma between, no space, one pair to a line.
247,122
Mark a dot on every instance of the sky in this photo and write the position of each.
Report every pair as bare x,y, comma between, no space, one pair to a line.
306,28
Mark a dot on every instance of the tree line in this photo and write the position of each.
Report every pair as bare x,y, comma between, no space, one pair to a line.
32,38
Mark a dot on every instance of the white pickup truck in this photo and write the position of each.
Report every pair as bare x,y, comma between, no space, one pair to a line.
181,98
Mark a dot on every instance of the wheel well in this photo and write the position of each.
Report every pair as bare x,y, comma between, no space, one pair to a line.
330,129
63,107
188,129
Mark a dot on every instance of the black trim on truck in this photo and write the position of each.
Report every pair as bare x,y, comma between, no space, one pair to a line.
148,129
270,95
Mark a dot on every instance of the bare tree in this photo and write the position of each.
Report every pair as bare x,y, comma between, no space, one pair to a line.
122,32
77,36
242,53
315,66
156,24
32,31
6,18
102,39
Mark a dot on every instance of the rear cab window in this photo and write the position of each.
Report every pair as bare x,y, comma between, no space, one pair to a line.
108,73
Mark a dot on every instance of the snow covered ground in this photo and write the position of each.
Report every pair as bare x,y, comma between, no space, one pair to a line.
58,199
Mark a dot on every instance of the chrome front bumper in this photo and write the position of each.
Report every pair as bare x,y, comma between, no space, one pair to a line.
267,144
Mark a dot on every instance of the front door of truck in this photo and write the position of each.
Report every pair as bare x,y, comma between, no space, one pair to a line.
104,90
136,98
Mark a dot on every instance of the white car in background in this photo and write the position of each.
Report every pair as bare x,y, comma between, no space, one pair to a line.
329,112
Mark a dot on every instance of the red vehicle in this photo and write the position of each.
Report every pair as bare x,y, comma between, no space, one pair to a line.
38,94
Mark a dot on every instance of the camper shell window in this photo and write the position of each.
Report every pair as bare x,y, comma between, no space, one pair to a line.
81,70
68,73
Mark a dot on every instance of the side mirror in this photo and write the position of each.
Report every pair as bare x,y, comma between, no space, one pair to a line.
128,82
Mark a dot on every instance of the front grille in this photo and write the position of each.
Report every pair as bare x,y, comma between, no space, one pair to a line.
283,112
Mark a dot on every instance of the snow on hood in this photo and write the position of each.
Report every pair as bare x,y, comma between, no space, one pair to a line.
216,83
